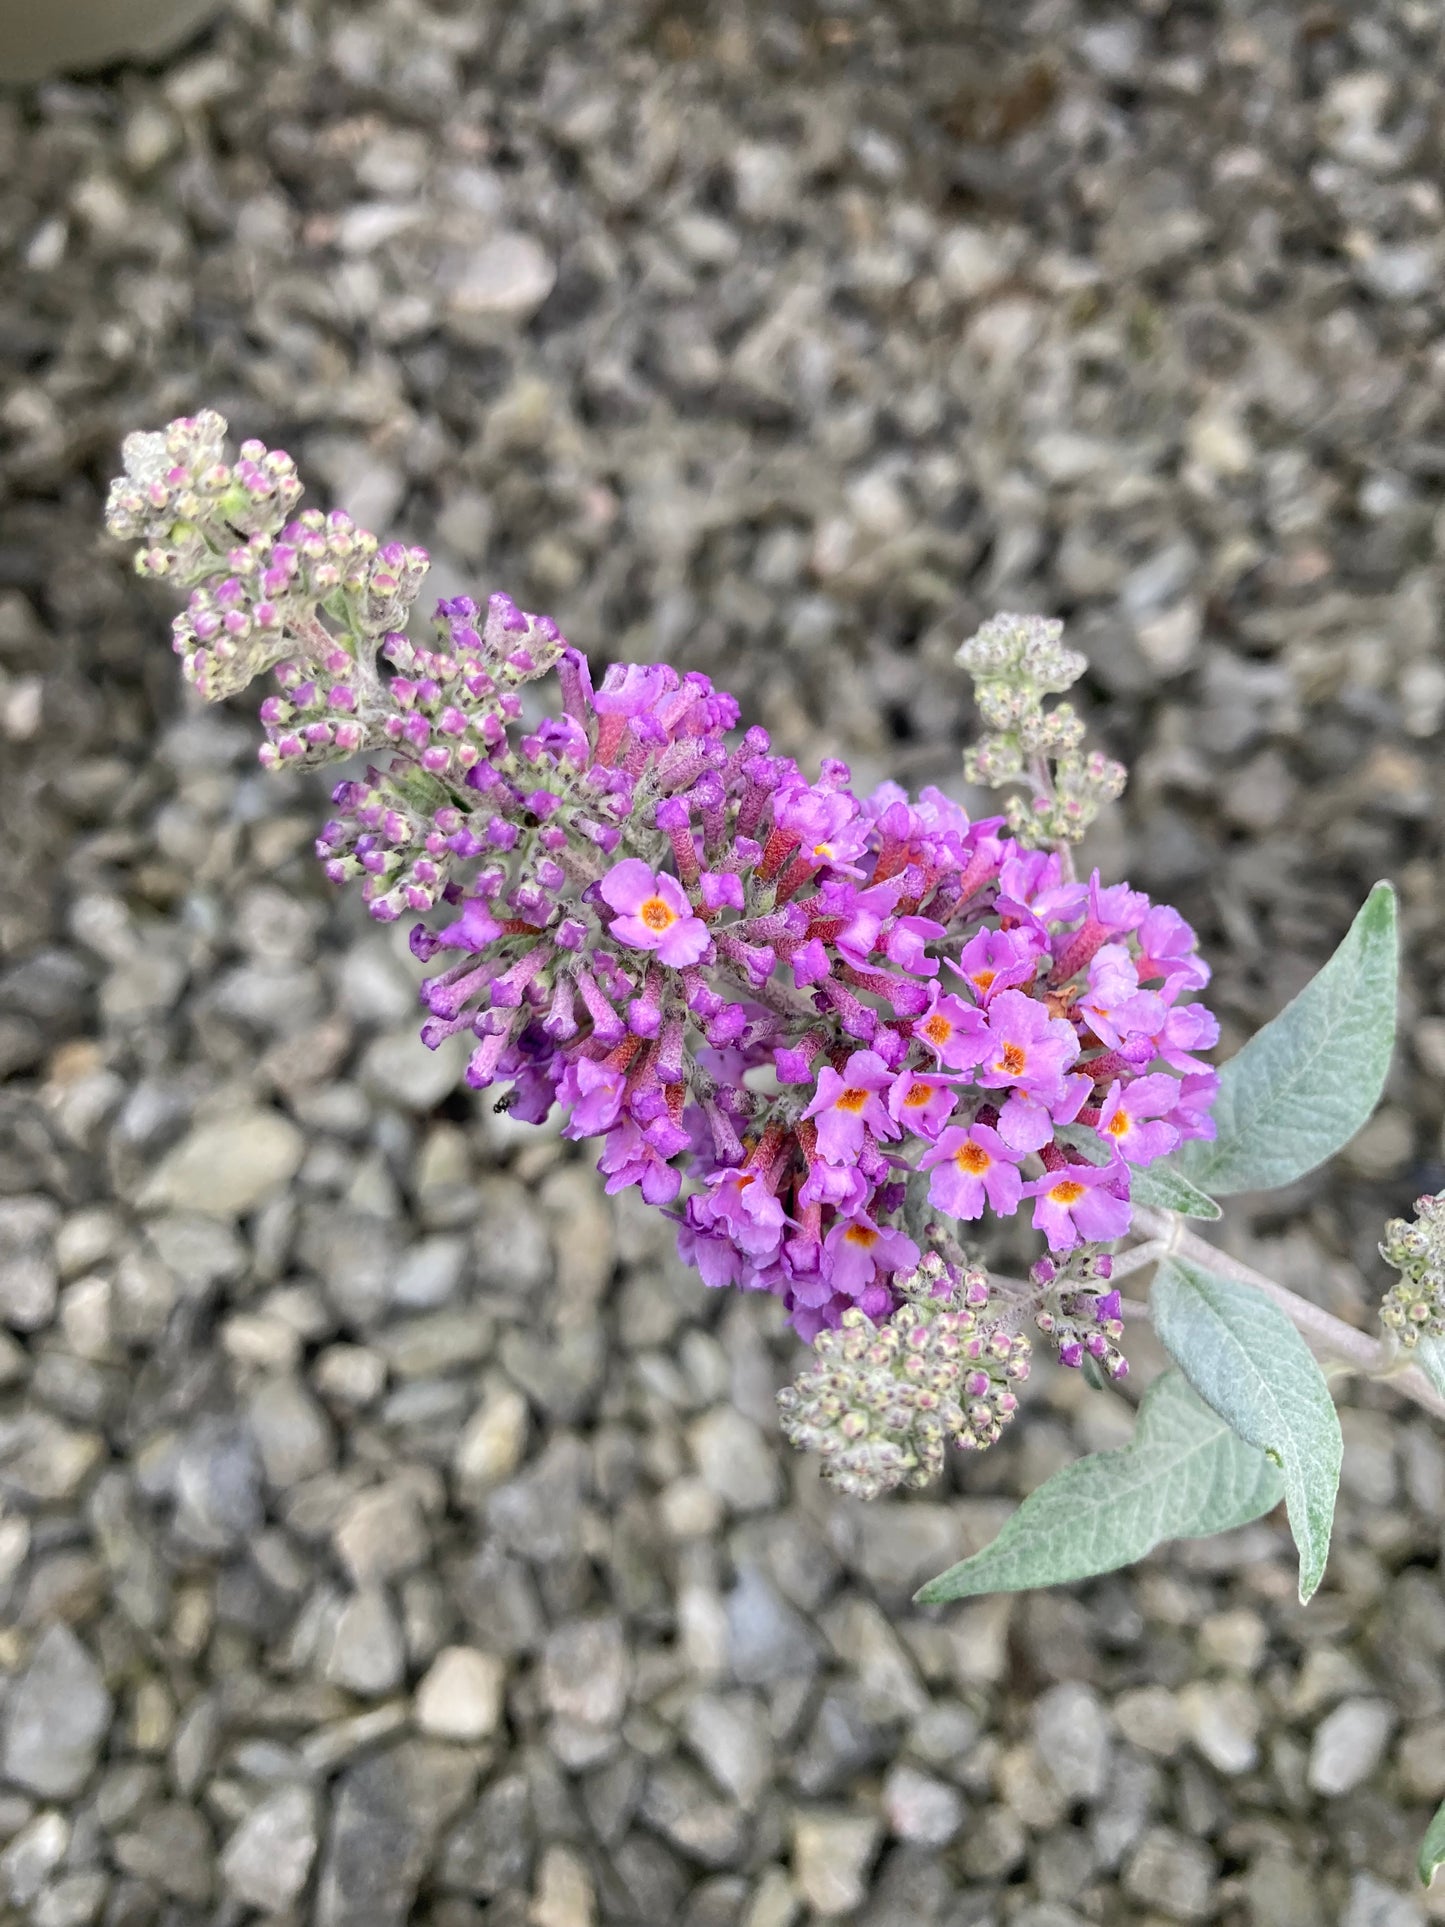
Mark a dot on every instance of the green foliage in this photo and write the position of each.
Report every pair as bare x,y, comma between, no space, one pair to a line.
1183,1475
1432,1847
1247,1361
1303,1086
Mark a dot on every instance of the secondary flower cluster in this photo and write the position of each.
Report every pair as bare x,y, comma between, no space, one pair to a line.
803,1021
883,1401
1415,1307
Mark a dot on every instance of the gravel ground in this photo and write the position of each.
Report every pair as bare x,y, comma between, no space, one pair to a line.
392,1531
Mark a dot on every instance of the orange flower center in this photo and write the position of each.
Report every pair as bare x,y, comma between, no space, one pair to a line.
918,1095
1013,1059
938,1029
1118,1124
657,914
1067,1191
972,1158
853,1099
981,979
858,1234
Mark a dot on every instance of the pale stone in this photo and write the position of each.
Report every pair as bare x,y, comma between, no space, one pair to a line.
461,1695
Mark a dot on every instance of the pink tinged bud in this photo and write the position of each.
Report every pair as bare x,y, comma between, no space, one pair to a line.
436,760
417,731
452,721
274,711
318,735
348,736
341,696
290,747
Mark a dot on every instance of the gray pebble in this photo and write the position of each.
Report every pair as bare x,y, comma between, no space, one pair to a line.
1349,1744
55,1718
267,1860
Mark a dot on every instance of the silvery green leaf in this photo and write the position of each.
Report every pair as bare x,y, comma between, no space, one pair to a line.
1183,1475
1303,1086
1166,1189
1429,1355
1432,1847
1247,1361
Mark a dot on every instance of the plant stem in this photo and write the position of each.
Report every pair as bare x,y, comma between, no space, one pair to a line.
1329,1335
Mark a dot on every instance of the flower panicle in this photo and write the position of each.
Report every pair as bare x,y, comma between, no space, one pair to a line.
780,1005
881,1402
1015,662
1081,1314
1414,1308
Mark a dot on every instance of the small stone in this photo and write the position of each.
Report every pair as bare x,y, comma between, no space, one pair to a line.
461,1696
292,1432
1071,1731
774,1901
564,1896
267,1860
731,1739
1349,1744
218,1485
171,1848
1373,1904
1280,1892
32,1855
368,1654
678,1804
508,276
350,1375
920,1809
429,1273
832,1852
767,1640
735,1460
489,1851
29,1276
585,1672
1172,1873
1222,1718
74,1900
55,1718
388,1811
226,1167
1235,1639
399,1069
382,1534
1421,1759
1149,1718
45,1460
492,1446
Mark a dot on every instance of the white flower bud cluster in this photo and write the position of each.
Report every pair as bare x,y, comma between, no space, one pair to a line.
1415,1308
882,1401
1016,661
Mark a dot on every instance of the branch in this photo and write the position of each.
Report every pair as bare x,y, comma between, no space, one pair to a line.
1330,1336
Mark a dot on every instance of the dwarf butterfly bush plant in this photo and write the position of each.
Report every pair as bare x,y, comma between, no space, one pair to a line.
830,1034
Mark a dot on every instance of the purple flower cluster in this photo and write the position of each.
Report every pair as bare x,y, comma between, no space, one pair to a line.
807,1023
793,997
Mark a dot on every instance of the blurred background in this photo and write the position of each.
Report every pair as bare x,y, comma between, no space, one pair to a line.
392,1531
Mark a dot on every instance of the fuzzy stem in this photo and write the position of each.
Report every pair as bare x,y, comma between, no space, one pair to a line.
1329,1335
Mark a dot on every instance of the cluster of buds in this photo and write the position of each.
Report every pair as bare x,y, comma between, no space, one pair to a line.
1079,1315
1015,662
1415,1308
776,1002
883,1401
